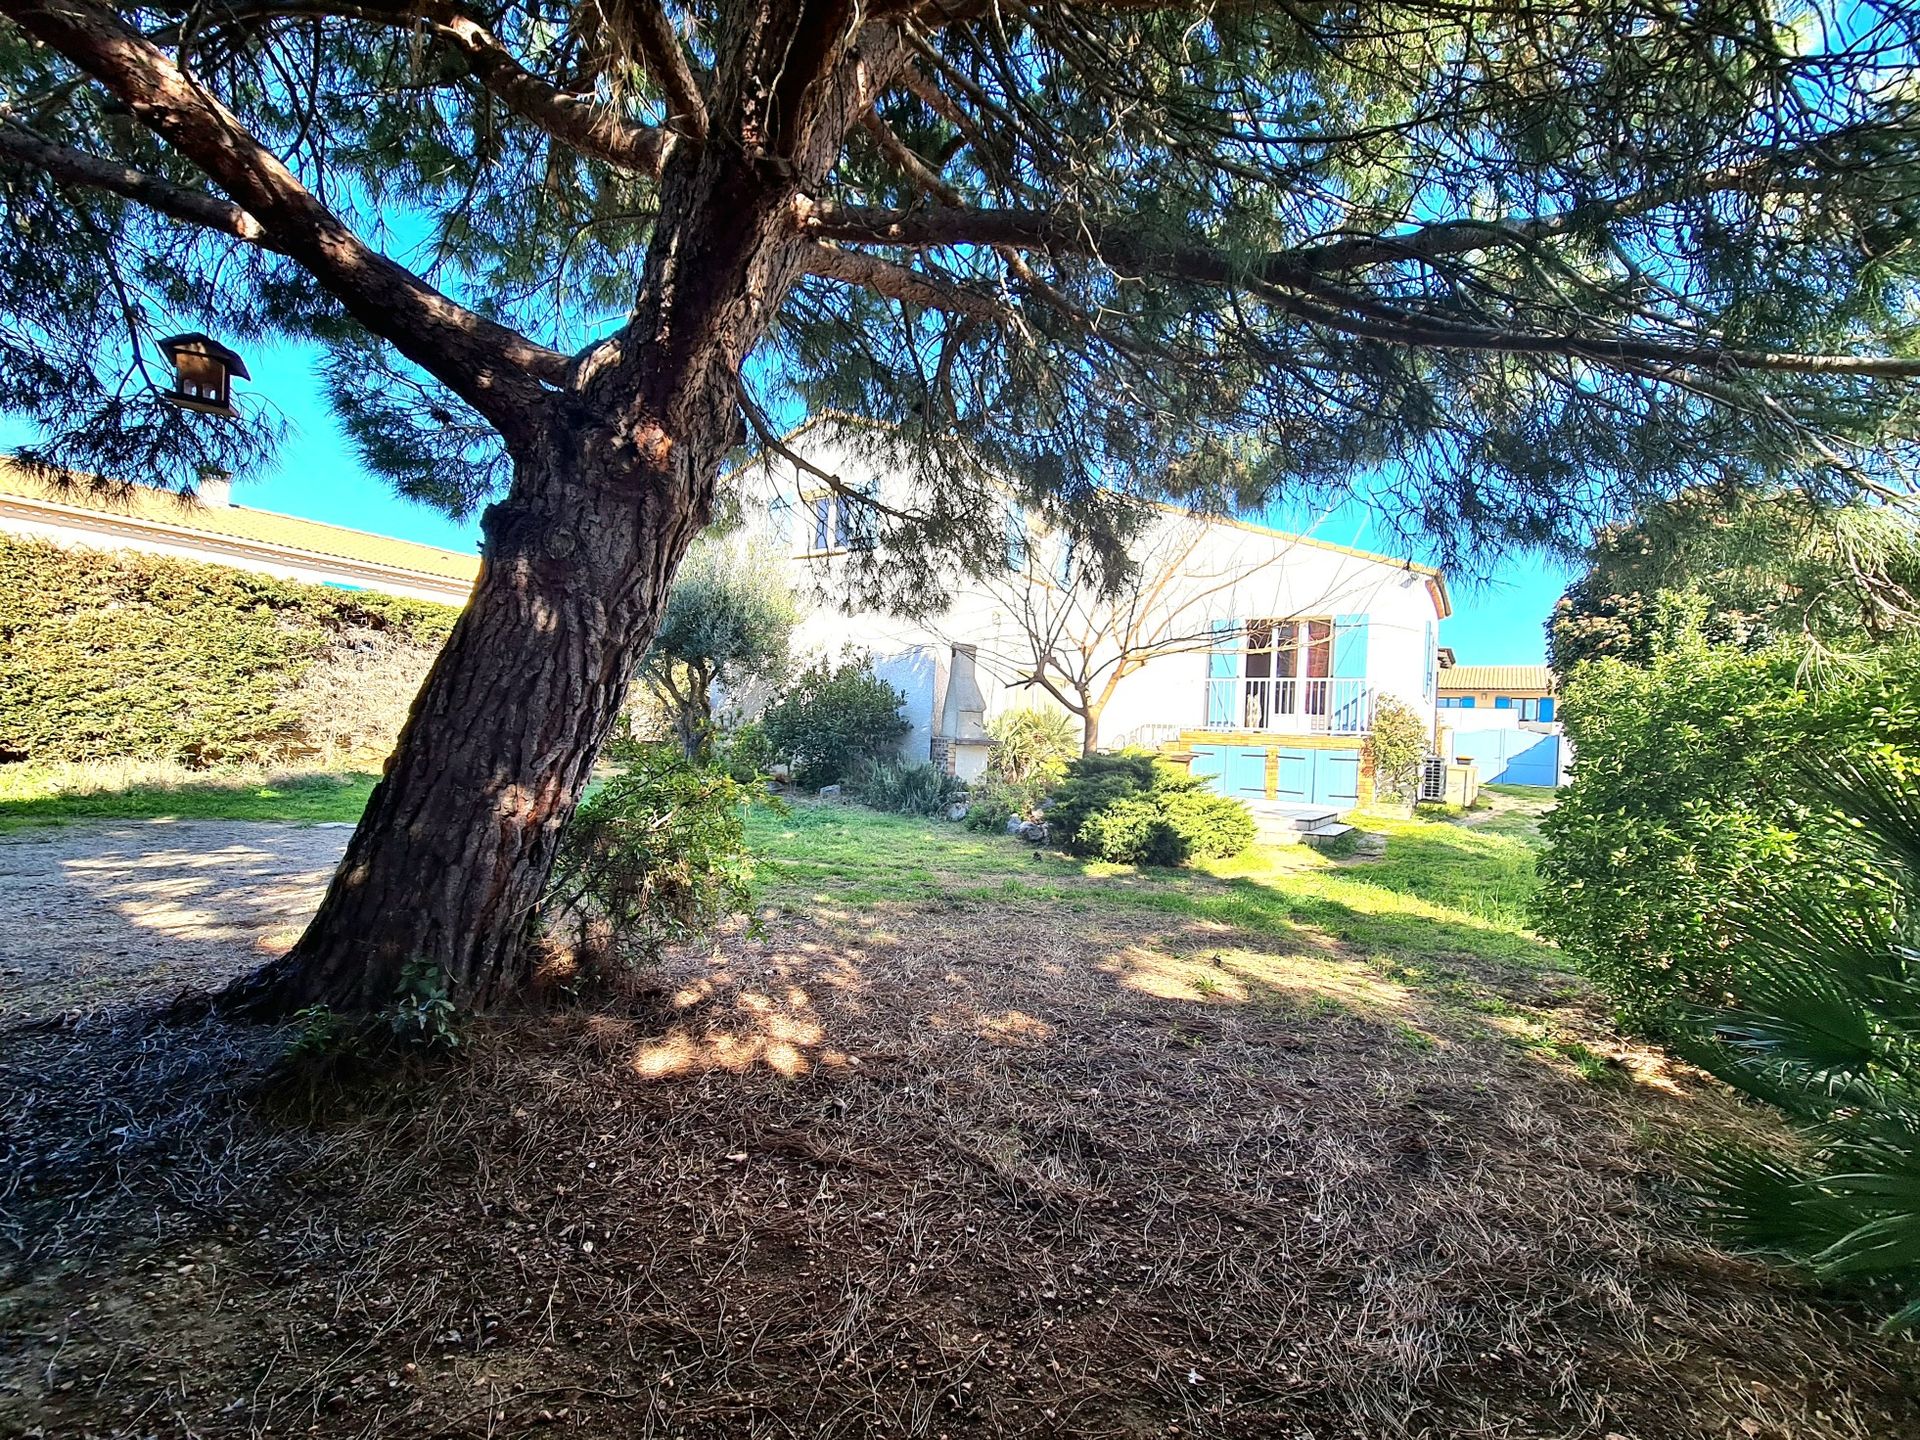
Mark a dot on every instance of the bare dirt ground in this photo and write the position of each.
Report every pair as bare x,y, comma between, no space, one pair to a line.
95,915
943,1169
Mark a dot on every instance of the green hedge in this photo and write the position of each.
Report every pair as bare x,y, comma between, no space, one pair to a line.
1691,804
118,655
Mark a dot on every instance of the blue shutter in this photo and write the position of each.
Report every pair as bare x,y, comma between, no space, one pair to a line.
1467,702
1016,538
1546,708
1349,701
1503,702
1223,663
1350,647
822,519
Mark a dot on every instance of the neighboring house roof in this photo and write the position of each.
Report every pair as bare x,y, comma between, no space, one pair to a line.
1436,581
143,506
1516,678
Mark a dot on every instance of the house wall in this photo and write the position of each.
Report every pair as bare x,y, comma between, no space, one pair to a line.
1486,699
1234,572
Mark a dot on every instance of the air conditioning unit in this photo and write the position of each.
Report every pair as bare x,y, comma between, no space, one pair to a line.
1433,778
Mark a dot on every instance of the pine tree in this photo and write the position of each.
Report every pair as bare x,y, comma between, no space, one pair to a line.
1528,265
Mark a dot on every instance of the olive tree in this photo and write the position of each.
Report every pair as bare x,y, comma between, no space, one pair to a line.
729,620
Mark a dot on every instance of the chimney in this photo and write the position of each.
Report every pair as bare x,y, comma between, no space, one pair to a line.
963,717
214,489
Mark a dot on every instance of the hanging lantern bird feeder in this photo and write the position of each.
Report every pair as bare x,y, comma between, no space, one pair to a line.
203,371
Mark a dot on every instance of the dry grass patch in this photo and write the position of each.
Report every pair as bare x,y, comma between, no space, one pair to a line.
910,1170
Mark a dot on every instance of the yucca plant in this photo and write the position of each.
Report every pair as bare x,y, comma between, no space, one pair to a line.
1824,1022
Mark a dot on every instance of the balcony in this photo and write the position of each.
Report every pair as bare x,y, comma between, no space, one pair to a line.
1290,705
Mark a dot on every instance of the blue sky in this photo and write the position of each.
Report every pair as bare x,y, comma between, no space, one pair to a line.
319,476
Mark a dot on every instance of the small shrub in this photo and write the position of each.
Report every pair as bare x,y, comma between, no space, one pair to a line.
1211,826
1134,809
834,719
422,1015
1095,781
990,811
993,801
744,752
1398,743
654,856
905,789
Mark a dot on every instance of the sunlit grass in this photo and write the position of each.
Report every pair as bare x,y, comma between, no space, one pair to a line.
1442,887
144,790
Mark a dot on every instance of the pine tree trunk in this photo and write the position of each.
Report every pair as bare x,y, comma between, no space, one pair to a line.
613,479
1090,729
449,862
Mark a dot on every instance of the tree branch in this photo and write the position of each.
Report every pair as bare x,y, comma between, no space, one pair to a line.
491,367
178,202
583,122
1277,273
666,62
883,277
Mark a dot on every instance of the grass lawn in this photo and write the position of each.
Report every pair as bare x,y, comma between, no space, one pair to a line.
45,795
954,1139
1441,889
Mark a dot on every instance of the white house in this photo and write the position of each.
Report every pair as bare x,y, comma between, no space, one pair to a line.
1267,653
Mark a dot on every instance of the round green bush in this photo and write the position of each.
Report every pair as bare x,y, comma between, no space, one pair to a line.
1131,808
834,720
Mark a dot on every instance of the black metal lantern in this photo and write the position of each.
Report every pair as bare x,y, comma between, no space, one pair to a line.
203,371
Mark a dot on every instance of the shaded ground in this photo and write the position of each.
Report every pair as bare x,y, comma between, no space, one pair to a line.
967,1141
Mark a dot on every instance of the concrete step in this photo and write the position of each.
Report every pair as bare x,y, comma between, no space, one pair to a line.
1287,814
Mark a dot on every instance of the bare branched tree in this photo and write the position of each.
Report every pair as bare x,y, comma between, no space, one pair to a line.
1078,635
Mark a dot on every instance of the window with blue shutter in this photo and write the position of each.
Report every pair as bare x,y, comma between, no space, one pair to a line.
1016,538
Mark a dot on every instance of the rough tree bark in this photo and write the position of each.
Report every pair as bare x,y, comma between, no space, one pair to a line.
449,862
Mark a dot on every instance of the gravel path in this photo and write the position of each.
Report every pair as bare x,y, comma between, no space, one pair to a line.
95,915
